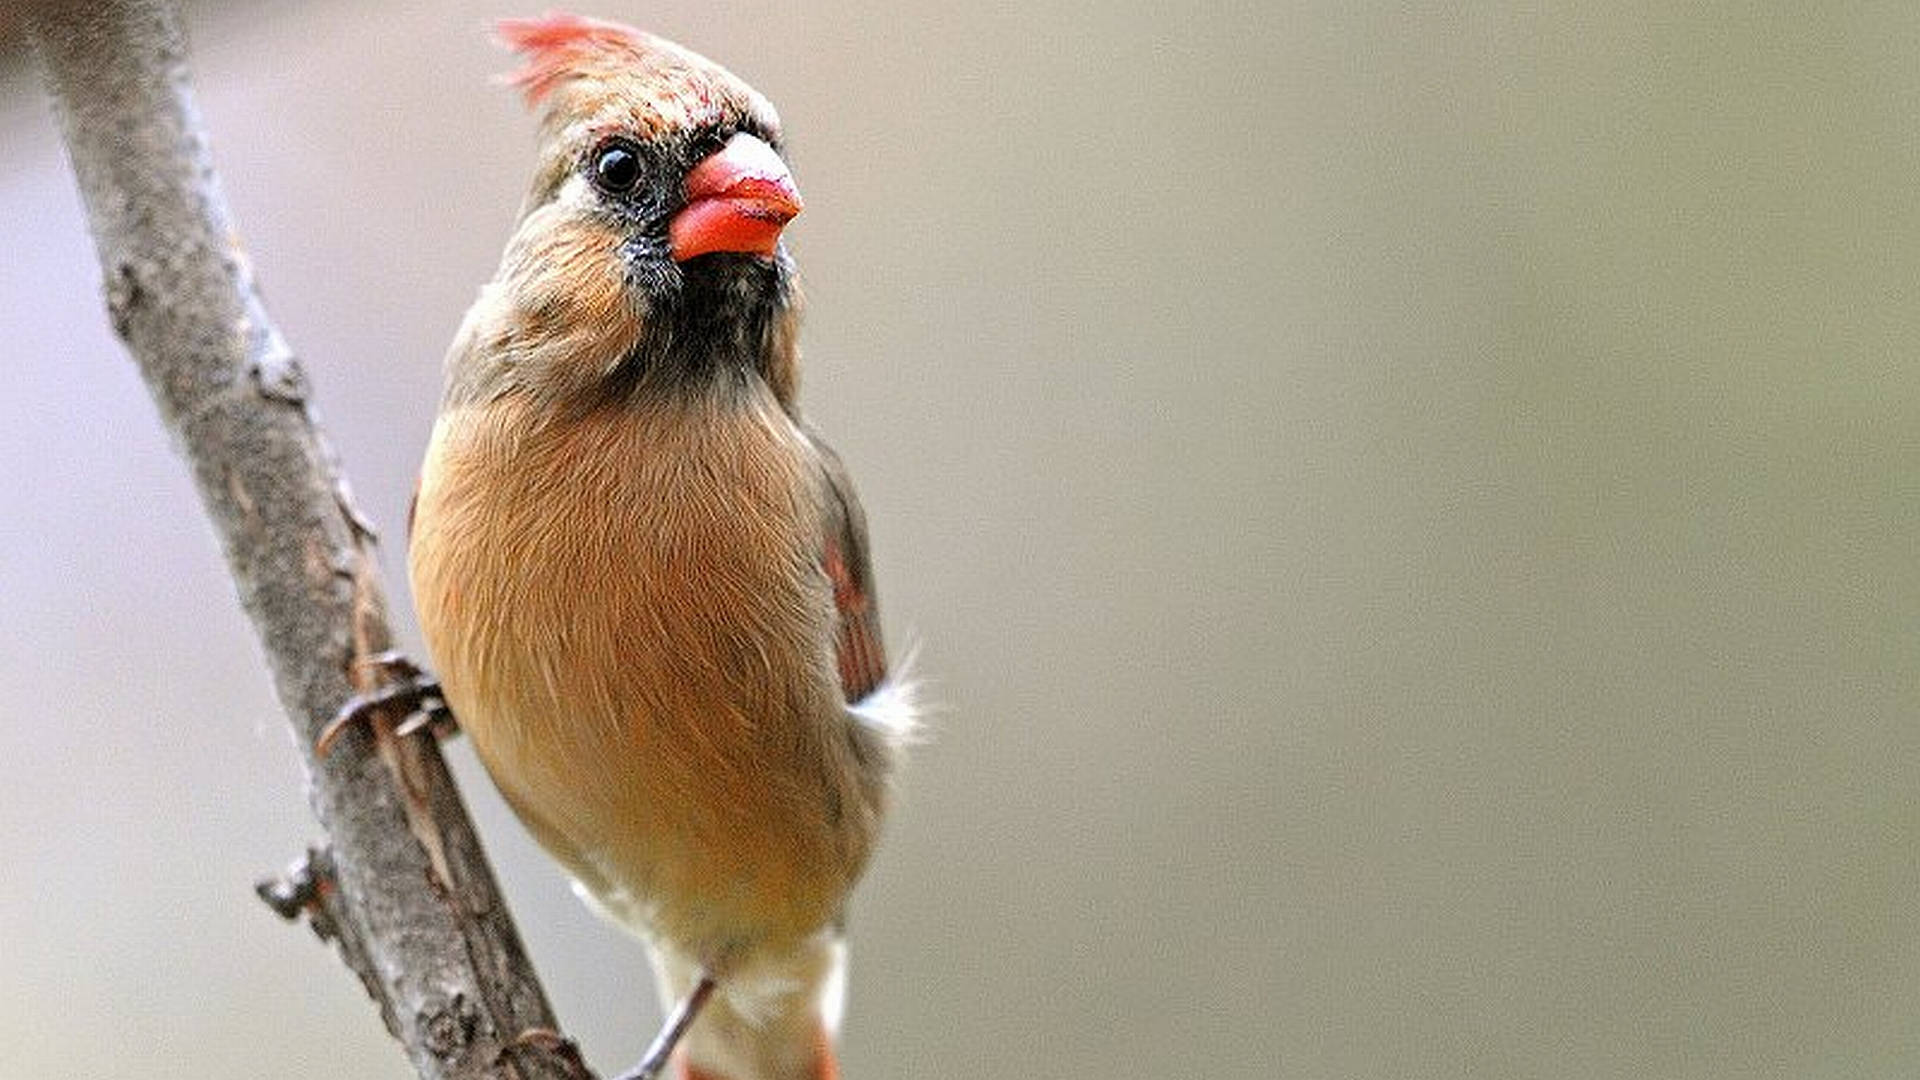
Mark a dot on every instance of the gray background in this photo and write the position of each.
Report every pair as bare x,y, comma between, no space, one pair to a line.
1410,515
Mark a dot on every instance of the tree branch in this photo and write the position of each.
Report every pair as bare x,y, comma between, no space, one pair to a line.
402,884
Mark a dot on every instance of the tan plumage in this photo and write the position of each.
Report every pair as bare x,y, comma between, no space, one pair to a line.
644,583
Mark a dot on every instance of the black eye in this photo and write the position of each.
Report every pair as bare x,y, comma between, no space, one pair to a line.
616,168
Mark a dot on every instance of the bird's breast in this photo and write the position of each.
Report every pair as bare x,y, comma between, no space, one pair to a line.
629,620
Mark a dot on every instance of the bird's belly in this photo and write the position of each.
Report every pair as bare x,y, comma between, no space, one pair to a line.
697,812
641,656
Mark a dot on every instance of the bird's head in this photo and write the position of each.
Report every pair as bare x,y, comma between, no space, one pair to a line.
649,244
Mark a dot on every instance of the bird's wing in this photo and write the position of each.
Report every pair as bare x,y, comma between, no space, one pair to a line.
858,651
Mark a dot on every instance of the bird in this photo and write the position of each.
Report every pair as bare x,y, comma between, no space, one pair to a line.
642,577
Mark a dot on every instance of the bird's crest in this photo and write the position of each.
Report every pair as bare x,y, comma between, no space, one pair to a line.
559,45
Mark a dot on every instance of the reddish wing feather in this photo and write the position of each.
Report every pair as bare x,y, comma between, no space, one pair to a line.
858,651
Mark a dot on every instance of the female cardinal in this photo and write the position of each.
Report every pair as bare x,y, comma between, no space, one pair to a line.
642,577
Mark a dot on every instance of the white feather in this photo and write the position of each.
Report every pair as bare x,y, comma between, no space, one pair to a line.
894,709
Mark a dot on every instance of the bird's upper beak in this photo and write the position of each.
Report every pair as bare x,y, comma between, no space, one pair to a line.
738,199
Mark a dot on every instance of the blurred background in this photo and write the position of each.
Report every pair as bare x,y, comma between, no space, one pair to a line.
1411,517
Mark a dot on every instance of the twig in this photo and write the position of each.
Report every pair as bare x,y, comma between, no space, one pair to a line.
403,885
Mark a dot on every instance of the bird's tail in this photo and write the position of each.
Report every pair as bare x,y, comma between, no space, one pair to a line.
773,1019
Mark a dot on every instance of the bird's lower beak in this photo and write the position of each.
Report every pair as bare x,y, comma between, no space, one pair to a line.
738,199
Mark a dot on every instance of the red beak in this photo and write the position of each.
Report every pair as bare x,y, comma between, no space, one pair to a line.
738,199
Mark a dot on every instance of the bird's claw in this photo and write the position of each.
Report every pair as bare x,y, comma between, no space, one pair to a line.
547,1041
544,1038
411,688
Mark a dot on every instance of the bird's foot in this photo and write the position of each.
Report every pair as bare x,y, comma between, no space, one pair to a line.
553,1045
411,689
677,1024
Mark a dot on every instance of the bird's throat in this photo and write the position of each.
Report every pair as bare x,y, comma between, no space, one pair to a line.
731,321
